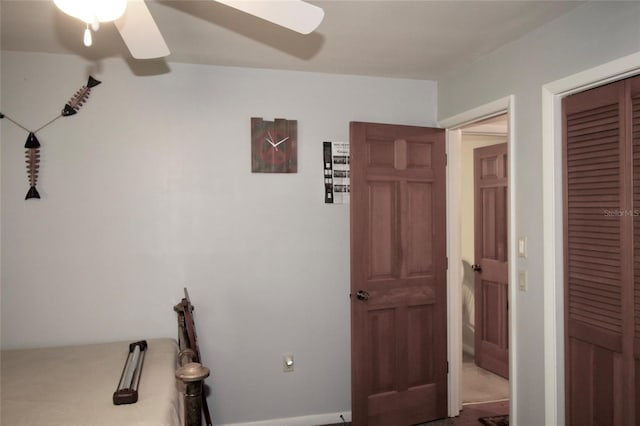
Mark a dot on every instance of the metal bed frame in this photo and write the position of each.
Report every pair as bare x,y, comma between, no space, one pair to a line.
191,371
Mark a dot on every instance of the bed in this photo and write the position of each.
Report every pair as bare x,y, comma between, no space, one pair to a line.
468,309
75,385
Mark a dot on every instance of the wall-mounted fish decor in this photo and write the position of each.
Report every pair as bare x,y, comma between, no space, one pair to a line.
32,155
79,98
32,146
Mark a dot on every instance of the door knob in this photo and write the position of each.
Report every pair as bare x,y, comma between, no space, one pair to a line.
362,295
476,268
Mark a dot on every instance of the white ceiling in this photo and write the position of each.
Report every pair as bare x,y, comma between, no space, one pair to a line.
403,39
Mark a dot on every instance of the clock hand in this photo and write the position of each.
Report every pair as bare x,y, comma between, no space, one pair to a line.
269,139
279,142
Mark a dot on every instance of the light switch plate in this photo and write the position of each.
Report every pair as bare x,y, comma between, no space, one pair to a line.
522,247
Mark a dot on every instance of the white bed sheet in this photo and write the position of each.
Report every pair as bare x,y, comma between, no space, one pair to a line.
74,385
468,308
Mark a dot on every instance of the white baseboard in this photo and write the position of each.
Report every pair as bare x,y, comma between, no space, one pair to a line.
317,419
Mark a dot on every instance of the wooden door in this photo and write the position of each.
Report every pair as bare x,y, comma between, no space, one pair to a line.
398,275
601,130
491,276
633,86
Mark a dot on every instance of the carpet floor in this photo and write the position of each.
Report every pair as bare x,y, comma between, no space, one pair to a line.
480,385
469,416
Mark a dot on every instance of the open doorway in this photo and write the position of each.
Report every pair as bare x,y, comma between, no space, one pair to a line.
454,125
484,257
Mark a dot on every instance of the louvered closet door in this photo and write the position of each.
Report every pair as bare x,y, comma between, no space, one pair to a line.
599,257
634,84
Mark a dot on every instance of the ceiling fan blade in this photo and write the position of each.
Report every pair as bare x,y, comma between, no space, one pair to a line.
140,32
295,15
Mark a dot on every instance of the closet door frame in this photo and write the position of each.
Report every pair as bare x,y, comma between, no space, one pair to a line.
553,264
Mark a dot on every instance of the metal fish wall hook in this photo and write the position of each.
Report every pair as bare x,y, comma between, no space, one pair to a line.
32,154
79,98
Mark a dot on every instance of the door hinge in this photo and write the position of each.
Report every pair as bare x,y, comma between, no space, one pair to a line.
447,367
446,159
447,263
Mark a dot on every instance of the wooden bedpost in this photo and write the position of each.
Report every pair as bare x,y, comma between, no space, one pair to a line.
191,372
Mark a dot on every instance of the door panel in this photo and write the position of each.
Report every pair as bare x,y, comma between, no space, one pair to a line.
599,260
634,85
491,279
398,257
382,229
593,290
420,238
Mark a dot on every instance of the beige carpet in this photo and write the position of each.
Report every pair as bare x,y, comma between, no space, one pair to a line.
480,385
480,388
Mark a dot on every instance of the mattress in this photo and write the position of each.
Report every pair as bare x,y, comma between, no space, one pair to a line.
74,385
468,307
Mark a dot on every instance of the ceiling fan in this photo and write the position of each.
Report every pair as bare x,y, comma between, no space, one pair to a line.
143,38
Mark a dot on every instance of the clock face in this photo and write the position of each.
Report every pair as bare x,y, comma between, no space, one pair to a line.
274,146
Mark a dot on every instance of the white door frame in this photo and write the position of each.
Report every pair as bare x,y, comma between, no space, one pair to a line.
454,224
552,94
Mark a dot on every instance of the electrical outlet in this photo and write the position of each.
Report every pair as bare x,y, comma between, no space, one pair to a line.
287,362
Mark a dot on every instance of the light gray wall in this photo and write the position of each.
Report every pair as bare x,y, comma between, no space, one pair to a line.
592,34
149,189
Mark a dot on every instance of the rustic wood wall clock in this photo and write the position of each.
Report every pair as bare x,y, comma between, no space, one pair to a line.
274,146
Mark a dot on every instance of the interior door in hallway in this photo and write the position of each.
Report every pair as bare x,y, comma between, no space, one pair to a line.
398,274
491,277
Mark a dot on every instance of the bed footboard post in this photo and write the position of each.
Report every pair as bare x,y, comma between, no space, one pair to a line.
191,372
192,375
